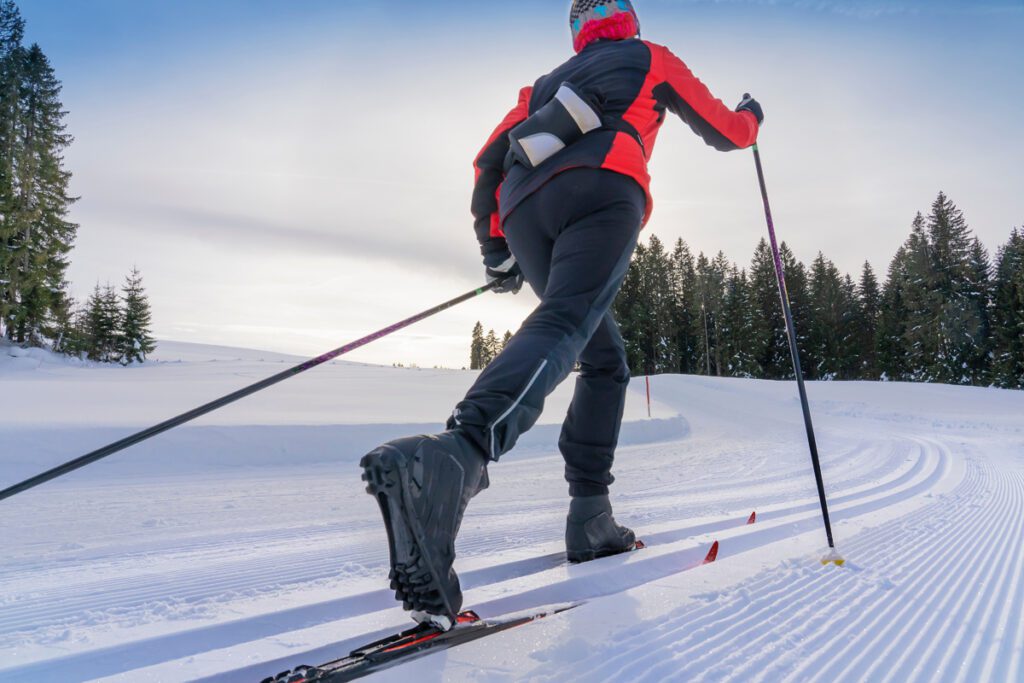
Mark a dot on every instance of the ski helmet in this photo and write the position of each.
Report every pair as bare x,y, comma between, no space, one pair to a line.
592,20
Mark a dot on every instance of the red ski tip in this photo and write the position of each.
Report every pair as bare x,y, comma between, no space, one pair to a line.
712,554
752,518
639,545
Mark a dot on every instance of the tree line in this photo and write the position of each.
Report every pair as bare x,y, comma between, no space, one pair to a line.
36,237
945,312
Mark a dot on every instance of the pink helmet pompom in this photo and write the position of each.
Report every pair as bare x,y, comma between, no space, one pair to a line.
592,20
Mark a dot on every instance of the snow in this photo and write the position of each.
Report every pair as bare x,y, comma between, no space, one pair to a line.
243,544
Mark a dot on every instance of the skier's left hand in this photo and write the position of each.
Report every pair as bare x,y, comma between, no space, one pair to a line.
502,266
753,106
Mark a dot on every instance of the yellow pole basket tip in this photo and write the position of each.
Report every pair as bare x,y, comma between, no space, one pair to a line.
833,557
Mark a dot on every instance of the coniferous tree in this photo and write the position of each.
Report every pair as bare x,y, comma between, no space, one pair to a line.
41,236
891,345
922,302
958,315
135,339
798,286
737,326
684,285
492,347
868,316
978,297
770,346
103,323
12,30
506,339
832,329
646,313
476,348
1008,314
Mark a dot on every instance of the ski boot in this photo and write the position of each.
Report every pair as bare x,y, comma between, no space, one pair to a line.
423,484
591,531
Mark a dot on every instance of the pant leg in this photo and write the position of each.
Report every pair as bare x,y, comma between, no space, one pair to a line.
591,429
594,218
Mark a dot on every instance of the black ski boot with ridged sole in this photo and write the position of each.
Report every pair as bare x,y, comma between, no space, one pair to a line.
423,484
591,531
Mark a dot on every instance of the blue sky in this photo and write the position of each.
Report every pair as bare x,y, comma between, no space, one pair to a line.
292,174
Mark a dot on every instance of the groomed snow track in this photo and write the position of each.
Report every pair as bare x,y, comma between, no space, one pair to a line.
928,509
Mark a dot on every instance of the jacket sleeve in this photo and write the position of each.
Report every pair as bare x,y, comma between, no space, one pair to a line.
489,167
684,95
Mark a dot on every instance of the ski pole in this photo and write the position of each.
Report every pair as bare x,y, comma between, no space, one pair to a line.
101,453
833,556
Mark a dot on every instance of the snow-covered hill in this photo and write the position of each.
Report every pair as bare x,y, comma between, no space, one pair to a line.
242,545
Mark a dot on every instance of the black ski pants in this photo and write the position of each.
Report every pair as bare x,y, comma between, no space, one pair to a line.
573,238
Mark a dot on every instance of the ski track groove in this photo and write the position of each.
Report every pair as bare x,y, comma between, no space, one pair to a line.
911,618
701,622
968,649
65,606
953,627
275,623
890,632
882,621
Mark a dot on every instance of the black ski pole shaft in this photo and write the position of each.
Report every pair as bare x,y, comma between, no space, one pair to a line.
110,449
793,349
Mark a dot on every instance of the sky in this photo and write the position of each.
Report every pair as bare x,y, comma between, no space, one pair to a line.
294,174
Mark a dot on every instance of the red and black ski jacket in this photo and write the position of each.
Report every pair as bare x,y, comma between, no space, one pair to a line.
636,81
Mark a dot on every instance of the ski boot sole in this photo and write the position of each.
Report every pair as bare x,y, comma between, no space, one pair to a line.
413,572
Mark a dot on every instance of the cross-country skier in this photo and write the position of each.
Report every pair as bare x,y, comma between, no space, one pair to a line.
560,198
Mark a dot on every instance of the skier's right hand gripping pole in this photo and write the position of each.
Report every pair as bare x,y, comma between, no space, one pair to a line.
833,556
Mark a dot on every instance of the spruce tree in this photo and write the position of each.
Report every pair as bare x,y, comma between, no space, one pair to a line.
1008,314
492,347
922,333
12,29
958,312
476,348
506,339
869,311
135,339
736,327
687,329
103,322
769,343
891,345
42,237
798,287
646,311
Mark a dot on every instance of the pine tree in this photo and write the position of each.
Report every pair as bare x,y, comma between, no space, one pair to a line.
957,313
769,343
103,322
891,346
492,347
42,237
476,348
826,329
646,311
12,29
798,287
1008,314
683,279
869,312
506,339
736,327
135,339
922,302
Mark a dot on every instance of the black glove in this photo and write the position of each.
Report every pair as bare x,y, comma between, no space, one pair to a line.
501,265
753,106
